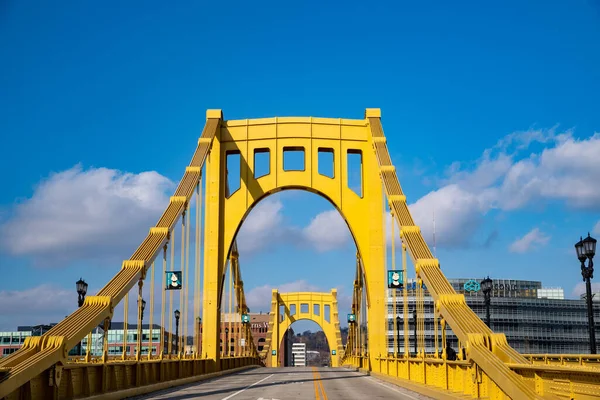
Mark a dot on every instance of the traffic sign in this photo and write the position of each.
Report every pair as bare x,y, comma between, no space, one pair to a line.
395,279
174,280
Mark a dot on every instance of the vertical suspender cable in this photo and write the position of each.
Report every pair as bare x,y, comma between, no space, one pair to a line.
405,311
197,268
138,347
228,337
163,305
170,316
435,331
151,322
180,348
395,349
105,340
125,314
187,281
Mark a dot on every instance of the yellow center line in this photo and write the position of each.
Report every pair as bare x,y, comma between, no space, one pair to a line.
318,383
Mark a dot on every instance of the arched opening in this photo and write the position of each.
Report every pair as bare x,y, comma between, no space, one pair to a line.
304,344
294,241
334,169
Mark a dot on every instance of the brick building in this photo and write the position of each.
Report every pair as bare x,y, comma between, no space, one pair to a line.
231,329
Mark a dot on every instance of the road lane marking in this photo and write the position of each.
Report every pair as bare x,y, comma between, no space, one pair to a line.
317,397
391,388
318,384
246,388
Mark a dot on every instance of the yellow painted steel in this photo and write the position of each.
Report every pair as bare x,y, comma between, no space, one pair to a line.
304,305
490,368
225,214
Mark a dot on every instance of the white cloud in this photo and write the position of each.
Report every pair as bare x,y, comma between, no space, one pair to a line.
506,178
83,214
261,227
579,289
43,304
531,240
458,214
327,231
266,226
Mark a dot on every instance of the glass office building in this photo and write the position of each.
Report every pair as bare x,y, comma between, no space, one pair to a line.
535,320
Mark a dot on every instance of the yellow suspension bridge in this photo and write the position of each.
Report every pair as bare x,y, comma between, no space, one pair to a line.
193,247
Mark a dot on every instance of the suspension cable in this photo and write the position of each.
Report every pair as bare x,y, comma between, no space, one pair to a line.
395,328
405,311
197,269
125,314
182,290
187,283
138,347
151,331
163,305
170,316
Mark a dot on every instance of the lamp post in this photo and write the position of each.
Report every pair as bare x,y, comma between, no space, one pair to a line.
177,315
586,249
198,325
81,287
486,288
227,341
143,307
415,330
398,334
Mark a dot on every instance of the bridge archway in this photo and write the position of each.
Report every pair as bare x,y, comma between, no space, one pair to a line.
227,206
321,308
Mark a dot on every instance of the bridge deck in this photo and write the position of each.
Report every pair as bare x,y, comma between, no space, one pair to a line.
299,383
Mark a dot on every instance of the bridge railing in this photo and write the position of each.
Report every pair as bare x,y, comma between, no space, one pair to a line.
124,378
583,360
464,377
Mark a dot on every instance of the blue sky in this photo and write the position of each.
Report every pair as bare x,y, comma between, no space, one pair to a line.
490,113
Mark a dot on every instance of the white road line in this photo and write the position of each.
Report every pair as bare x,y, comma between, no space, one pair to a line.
370,379
246,388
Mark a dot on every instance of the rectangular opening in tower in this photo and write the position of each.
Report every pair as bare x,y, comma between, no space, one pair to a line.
233,171
293,159
303,308
317,309
327,312
326,162
355,172
292,309
262,163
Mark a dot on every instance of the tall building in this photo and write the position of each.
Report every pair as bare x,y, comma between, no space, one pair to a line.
534,319
299,354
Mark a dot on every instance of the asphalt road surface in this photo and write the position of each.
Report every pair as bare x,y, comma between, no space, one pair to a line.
295,383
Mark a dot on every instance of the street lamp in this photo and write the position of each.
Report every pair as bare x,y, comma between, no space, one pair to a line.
143,308
398,334
82,287
198,325
586,249
227,340
486,288
415,330
177,315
